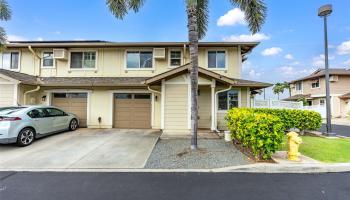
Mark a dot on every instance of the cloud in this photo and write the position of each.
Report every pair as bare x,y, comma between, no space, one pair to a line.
292,72
57,32
318,61
344,48
289,56
347,62
271,51
11,37
246,38
40,39
254,74
231,18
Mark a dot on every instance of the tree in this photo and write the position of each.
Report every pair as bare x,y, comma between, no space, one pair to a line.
5,15
197,15
278,88
286,86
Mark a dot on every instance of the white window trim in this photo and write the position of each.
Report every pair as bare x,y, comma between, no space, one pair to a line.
19,60
301,88
228,104
42,60
138,69
319,84
216,69
169,58
82,69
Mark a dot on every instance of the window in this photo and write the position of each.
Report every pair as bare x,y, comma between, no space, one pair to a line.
48,59
83,60
139,59
217,59
53,112
175,58
142,96
315,84
322,102
10,60
228,100
123,96
60,95
298,86
37,113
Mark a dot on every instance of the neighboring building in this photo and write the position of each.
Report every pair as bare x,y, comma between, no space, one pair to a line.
127,85
312,88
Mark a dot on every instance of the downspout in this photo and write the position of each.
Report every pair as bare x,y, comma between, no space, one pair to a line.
30,91
35,55
215,107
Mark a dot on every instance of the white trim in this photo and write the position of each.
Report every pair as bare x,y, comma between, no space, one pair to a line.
15,94
68,91
132,91
19,60
248,97
213,104
42,60
138,69
88,108
169,57
82,69
189,94
319,84
48,98
228,103
152,109
162,106
226,59
239,55
112,106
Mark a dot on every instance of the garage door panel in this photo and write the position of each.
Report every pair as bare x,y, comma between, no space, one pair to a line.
134,112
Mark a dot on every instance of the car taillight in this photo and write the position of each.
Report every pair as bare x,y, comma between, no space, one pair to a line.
10,118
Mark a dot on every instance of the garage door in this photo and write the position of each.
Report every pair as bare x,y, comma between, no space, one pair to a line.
73,103
6,94
132,111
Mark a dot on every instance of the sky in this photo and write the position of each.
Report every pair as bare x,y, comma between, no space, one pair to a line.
291,47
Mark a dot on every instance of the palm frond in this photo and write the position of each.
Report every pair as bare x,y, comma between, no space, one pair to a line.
3,38
5,10
202,17
120,8
255,13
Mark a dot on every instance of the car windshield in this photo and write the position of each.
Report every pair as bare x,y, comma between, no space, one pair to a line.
10,110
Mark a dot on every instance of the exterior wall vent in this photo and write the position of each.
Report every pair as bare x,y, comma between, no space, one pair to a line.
159,53
60,54
333,78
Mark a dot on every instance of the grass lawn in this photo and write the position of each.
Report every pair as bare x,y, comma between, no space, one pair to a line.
324,150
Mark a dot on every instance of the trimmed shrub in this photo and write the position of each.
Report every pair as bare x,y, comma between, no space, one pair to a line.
262,133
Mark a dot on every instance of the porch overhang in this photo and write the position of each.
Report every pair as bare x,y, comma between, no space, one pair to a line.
157,79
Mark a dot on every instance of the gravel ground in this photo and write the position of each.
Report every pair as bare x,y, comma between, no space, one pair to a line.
212,153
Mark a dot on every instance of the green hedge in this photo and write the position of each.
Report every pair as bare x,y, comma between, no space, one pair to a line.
262,133
300,119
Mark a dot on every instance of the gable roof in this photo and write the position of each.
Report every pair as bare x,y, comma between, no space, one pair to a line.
23,78
321,72
224,79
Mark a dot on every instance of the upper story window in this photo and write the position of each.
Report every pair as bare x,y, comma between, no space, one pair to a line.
315,83
139,59
298,86
228,100
175,58
83,60
48,59
10,60
217,59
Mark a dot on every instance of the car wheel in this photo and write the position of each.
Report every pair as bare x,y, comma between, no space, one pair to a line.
73,125
25,137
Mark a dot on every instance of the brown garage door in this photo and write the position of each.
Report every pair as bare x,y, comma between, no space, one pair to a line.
73,103
132,111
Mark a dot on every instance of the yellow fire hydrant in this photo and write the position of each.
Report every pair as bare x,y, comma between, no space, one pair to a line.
293,146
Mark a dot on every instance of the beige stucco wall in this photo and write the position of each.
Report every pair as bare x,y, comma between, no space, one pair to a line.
344,107
101,105
111,62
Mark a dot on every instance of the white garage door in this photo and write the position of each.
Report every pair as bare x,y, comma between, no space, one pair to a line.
6,95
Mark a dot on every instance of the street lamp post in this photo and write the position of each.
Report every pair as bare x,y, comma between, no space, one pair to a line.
324,12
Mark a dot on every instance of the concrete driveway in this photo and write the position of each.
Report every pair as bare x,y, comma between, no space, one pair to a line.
83,149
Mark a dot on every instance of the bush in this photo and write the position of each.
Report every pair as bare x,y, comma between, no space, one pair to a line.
261,132
300,119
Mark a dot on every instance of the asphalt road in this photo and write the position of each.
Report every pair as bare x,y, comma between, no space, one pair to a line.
338,129
169,186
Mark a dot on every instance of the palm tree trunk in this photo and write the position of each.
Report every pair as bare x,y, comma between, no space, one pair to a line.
193,40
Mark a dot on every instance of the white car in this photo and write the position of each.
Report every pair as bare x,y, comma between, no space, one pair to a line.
23,124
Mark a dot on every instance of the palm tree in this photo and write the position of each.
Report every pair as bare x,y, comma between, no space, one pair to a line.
197,15
5,15
278,88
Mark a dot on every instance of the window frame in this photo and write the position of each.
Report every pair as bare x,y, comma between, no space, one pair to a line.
319,83
42,60
82,51
228,102
169,58
138,69
301,86
19,60
216,68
